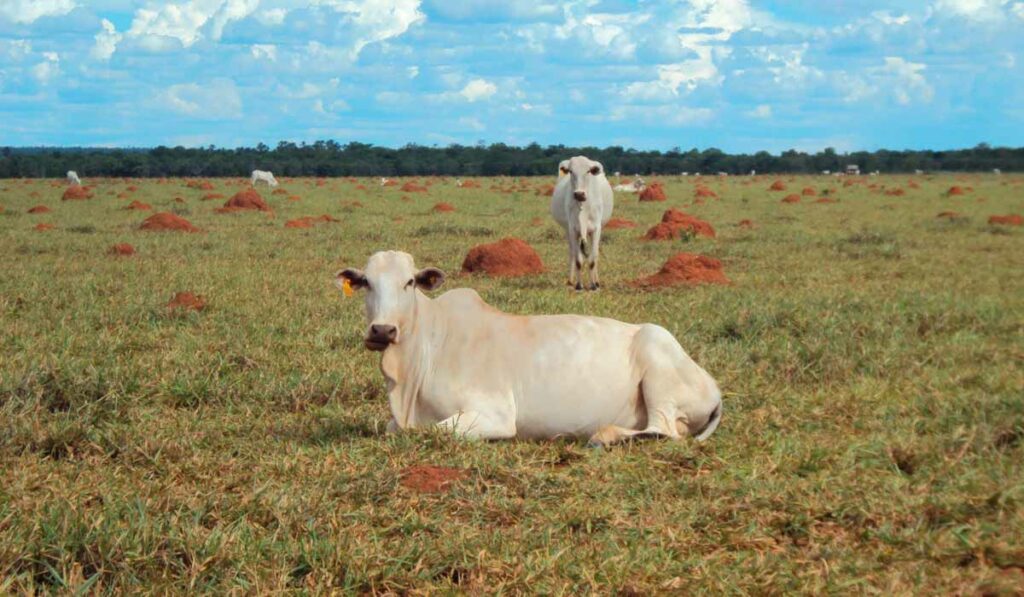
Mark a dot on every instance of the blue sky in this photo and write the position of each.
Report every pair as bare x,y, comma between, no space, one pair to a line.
740,75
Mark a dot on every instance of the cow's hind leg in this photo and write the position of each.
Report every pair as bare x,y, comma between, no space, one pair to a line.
613,434
478,425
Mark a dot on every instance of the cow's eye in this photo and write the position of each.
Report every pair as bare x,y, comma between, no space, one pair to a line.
410,283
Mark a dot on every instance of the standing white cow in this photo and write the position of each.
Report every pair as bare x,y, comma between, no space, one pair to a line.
73,177
265,176
582,204
458,364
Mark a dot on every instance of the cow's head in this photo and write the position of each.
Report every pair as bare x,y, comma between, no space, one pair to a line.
581,170
390,281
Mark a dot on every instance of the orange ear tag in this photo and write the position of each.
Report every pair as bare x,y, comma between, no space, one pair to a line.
346,287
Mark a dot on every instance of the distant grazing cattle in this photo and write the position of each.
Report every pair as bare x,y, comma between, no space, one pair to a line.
996,171
456,363
582,204
73,177
265,176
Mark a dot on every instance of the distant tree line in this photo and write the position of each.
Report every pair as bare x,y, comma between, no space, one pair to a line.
329,158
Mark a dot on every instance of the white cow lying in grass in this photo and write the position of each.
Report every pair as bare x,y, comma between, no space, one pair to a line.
265,176
73,177
637,186
459,364
582,204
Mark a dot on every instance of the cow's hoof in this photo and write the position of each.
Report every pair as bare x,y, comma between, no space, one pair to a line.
595,286
579,286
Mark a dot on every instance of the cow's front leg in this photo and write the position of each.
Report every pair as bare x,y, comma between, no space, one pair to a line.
574,258
392,427
595,250
478,425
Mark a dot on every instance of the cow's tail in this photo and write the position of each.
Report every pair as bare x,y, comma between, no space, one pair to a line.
712,424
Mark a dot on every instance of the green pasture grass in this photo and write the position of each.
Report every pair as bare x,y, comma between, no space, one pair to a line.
870,355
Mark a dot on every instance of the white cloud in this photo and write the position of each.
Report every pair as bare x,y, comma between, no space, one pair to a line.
790,70
28,11
214,100
273,16
1018,9
887,18
662,115
374,20
157,29
478,89
472,123
762,111
105,41
15,50
910,82
979,10
264,51
413,71
47,69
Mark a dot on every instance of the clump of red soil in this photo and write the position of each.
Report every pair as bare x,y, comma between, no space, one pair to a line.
427,478
139,206
309,221
895,192
952,215
122,250
507,257
360,187
686,268
44,227
202,185
955,190
472,184
411,187
674,222
279,192
212,196
1008,220
187,301
536,221
244,199
131,188
913,185
778,185
34,195
745,224
808,192
541,192
76,193
849,183
294,198
791,198
617,223
826,200
444,207
39,209
167,221
653,192
704,192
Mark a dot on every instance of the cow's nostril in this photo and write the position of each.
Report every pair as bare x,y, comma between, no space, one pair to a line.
383,331
580,195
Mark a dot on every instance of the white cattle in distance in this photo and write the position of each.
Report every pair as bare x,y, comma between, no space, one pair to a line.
72,177
264,176
457,364
637,186
582,204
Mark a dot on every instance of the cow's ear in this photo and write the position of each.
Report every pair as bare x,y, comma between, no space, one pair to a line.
429,278
356,278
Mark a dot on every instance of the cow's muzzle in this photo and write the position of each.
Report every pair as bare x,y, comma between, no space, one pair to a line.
380,336
580,196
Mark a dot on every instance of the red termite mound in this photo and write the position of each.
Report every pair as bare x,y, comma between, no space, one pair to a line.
44,227
653,192
76,193
430,479
472,184
122,250
674,222
686,268
791,198
294,198
543,191
507,257
745,224
444,207
187,301
279,192
39,209
955,190
952,215
244,199
617,223
167,221
212,196
411,187
826,200
139,206
309,221
778,185
808,192
1008,220
704,192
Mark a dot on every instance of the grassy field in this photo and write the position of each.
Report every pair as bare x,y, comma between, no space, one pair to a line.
871,357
